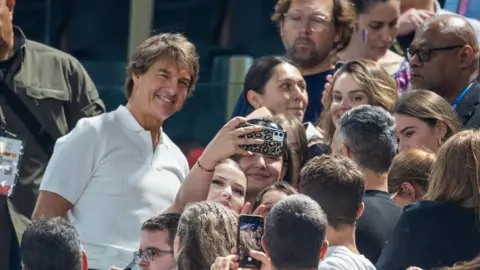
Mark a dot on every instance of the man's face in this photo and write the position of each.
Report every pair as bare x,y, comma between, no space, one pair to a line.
162,90
6,27
157,240
308,31
434,70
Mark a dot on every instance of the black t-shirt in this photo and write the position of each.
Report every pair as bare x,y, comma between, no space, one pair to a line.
376,224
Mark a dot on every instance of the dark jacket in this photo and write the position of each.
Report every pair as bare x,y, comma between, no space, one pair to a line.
468,108
58,91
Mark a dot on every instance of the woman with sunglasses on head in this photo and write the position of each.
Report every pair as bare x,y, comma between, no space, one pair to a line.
375,33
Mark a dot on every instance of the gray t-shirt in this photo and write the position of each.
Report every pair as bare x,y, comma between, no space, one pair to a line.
341,258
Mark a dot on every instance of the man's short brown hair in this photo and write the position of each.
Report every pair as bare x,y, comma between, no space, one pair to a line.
169,47
168,222
338,185
344,19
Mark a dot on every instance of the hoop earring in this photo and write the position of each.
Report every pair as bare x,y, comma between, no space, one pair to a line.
439,142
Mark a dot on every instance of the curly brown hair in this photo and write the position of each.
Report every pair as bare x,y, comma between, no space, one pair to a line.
207,230
344,19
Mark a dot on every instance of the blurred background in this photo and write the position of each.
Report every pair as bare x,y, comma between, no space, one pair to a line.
228,34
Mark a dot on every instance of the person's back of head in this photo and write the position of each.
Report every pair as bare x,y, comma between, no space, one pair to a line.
367,135
206,230
295,233
337,184
51,244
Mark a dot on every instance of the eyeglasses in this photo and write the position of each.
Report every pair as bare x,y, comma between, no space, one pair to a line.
424,54
149,254
296,20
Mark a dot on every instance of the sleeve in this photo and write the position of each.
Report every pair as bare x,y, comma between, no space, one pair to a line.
242,108
395,253
73,162
85,101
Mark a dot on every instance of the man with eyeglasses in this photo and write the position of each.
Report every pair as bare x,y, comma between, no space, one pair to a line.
444,58
156,244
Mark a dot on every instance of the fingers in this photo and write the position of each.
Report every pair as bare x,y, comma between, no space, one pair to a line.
246,130
234,251
245,209
224,263
259,211
245,141
260,256
232,124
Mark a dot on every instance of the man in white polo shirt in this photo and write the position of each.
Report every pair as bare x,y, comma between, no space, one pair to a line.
114,171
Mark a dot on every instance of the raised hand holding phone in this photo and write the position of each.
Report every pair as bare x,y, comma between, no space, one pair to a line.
230,262
227,142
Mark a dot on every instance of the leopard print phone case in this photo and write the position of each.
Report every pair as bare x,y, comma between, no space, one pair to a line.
273,141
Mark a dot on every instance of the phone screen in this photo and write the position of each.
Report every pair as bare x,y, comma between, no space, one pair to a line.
249,237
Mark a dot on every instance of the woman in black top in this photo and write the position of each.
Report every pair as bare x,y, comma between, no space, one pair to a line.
445,229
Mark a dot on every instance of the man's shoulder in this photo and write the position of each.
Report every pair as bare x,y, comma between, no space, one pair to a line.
47,52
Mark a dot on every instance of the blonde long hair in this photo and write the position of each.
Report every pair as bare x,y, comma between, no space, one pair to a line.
379,86
456,173
207,230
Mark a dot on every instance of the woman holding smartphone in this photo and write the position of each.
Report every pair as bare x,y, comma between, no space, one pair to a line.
205,178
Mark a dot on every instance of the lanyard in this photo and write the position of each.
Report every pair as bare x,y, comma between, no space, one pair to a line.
460,97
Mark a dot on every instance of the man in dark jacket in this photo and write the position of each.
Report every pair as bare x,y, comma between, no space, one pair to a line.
43,93
444,58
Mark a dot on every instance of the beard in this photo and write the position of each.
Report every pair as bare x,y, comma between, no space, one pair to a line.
304,53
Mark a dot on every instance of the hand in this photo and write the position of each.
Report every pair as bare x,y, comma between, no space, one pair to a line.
231,261
225,263
262,257
327,89
410,20
258,212
227,143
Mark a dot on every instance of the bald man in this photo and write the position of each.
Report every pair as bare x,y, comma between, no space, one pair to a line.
444,58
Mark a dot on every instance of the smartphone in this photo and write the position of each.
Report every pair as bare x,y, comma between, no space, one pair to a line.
249,236
272,134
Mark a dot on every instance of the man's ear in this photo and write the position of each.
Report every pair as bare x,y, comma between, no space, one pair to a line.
360,210
346,151
324,249
84,261
254,99
467,55
264,246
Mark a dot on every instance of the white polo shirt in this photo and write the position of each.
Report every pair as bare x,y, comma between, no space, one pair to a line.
107,169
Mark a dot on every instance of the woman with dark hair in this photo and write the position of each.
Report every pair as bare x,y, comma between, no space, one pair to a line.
277,84
424,120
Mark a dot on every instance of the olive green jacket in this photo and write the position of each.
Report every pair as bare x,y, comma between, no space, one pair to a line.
59,92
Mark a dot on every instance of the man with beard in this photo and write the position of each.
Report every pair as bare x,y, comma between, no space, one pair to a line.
313,31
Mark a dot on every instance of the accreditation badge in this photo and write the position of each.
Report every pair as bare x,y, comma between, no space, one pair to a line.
11,152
